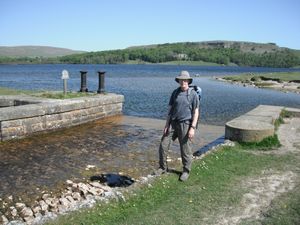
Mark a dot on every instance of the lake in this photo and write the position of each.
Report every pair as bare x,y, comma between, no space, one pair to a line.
147,88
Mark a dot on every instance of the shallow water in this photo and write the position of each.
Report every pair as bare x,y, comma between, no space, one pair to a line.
116,145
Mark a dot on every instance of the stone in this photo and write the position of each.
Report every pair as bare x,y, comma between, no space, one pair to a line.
76,196
54,114
69,182
45,196
26,212
10,198
65,202
20,205
70,199
44,206
83,188
29,219
96,184
62,208
37,209
53,204
3,220
13,211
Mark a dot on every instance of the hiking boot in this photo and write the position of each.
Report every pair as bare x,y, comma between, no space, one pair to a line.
184,176
159,172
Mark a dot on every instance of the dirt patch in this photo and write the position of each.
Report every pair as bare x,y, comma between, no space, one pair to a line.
270,184
289,135
263,190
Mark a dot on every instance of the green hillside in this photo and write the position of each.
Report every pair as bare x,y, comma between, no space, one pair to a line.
219,52
190,53
35,51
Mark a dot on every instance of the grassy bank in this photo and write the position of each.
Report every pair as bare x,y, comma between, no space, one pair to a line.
45,94
7,91
179,62
280,77
215,187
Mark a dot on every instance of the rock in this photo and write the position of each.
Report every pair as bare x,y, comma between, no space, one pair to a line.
62,208
26,212
44,206
90,167
96,184
37,209
106,188
3,220
29,219
70,199
83,188
69,182
95,191
53,204
48,200
76,196
64,202
13,211
20,205
45,196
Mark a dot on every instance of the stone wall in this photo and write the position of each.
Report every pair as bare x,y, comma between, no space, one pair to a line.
256,124
38,114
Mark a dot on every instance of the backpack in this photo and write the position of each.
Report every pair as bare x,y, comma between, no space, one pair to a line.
197,89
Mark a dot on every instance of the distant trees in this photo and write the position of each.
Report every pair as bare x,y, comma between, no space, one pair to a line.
190,51
284,59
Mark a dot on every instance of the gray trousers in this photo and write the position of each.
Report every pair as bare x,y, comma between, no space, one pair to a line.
180,131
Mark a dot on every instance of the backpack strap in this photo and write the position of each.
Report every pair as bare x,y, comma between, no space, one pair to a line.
174,96
193,88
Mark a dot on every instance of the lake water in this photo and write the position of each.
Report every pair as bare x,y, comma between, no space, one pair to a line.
42,163
147,88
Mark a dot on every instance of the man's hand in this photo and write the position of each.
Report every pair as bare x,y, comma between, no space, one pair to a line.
166,130
191,133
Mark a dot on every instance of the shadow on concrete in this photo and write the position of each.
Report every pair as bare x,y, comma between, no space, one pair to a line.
209,146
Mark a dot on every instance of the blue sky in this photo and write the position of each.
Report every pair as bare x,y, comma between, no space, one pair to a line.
96,25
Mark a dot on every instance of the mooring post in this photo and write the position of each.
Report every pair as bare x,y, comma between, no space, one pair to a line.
83,81
65,77
101,88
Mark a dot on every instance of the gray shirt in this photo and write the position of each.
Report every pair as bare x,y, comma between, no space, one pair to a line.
182,105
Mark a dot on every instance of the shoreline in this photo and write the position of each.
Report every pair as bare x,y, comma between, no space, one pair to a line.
74,193
283,86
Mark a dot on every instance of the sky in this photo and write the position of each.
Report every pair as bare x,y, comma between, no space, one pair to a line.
97,25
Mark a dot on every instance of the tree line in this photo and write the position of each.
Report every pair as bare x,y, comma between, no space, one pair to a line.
284,58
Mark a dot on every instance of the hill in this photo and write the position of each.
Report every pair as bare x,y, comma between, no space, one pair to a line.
190,53
35,51
220,52
253,47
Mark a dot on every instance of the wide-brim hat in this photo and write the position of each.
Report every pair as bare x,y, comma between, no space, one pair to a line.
184,75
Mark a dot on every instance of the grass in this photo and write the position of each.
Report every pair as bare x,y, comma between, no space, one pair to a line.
60,95
267,143
45,94
285,209
191,63
7,91
213,187
279,76
178,62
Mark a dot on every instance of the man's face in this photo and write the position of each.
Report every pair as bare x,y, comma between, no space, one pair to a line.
184,84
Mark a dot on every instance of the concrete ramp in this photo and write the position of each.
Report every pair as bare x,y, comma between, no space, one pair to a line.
257,124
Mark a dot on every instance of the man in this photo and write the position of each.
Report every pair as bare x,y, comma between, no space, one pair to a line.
181,123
